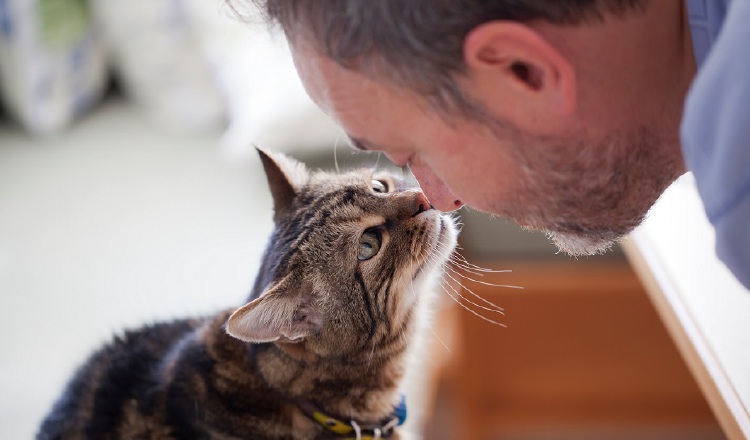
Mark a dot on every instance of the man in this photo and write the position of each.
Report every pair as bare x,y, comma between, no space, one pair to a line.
563,116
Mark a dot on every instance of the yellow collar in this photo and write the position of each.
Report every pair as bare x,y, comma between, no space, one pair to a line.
353,430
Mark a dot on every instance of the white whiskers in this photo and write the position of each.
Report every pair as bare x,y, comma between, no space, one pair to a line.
491,321
440,340
492,306
468,278
456,273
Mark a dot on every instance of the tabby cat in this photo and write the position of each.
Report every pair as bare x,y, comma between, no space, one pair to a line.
318,352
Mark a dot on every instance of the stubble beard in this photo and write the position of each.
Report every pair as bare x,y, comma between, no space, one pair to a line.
586,198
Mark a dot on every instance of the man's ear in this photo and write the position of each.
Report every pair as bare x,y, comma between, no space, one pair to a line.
285,177
511,65
284,311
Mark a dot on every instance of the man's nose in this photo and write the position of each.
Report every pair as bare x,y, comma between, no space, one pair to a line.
435,190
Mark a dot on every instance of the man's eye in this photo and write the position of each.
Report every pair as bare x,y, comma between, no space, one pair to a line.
379,186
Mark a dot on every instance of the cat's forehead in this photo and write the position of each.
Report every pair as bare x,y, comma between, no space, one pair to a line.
396,181
362,178
345,203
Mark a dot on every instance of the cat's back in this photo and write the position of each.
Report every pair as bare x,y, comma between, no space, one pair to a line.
128,367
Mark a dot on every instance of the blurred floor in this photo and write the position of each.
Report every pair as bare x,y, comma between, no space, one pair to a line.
106,226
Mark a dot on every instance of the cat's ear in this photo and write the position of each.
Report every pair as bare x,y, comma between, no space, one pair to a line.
285,311
285,177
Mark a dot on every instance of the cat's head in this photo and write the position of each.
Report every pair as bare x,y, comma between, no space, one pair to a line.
348,259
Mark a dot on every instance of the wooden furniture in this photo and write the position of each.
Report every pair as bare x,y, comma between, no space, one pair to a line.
584,356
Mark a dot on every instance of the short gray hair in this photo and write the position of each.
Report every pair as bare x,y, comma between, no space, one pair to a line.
417,43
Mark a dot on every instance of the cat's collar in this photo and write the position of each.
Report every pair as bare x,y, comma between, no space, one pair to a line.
353,430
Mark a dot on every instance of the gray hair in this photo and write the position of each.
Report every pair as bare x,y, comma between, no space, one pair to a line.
417,44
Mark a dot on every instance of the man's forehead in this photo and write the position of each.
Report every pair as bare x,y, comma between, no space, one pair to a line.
346,96
310,67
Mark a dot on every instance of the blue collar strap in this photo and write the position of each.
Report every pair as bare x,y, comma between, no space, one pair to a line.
355,431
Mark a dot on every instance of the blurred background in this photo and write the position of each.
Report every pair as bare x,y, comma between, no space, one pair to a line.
130,192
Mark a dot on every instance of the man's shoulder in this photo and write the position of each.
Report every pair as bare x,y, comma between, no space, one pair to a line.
706,19
715,132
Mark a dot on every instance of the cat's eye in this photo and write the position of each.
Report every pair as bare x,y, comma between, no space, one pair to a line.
369,244
379,186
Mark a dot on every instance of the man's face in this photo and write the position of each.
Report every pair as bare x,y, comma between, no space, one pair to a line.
585,193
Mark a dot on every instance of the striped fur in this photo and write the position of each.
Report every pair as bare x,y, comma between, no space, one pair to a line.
322,325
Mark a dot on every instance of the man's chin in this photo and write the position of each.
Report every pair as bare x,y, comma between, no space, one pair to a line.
578,245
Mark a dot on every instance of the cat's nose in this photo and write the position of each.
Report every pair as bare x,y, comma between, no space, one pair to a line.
421,203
